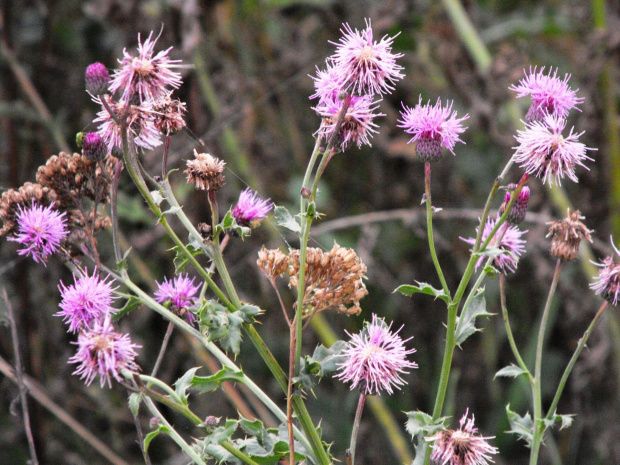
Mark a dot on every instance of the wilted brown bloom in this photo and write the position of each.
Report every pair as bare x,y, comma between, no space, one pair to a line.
205,171
272,262
567,234
334,279
168,115
24,196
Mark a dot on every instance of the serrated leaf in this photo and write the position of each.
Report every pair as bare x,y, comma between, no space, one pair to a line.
565,420
184,383
153,434
423,288
132,303
134,402
422,423
285,220
180,259
249,312
230,223
511,370
222,433
466,323
157,197
324,361
221,455
522,426
211,383
221,325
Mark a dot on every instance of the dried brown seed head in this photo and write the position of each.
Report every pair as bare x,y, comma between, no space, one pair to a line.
272,263
206,171
567,234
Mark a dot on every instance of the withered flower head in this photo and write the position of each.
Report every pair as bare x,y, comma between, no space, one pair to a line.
334,279
13,199
168,115
567,234
205,171
272,263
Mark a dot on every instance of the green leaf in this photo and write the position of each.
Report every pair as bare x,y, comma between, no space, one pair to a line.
522,426
132,303
211,383
153,434
180,259
422,423
222,433
465,325
249,312
134,402
565,420
511,370
184,382
324,361
218,324
230,223
285,220
424,288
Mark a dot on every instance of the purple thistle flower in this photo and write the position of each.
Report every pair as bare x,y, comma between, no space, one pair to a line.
250,208
462,446
550,94
97,79
104,352
146,76
94,147
510,242
328,83
366,66
140,124
544,152
180,292
432,127
607,283
519,209
375,358
87,301
40,231
357,126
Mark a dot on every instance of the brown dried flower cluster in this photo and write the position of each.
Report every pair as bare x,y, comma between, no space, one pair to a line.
24,196
334,279
567,234
168,115
206,172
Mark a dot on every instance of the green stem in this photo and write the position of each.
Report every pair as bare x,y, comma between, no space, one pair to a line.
315,153
573,360
150,380
429,227
355,430
539,428
511,339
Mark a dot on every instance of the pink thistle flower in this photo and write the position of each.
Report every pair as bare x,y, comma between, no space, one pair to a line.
432,127
462,446
366,66
140,124
87,301
180,292
146,76
544,152
550,94
510,242
519,209
328,83
94,147
251,208
104,352
607,283
357,126
375,358
40,231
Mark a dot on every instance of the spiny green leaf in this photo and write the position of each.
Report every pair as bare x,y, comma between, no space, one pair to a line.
323,361
422,423
153,434
565,420
424,288
221,325
180,259
211,383
522,426
466,323
131,303
184,382
511,370
285,220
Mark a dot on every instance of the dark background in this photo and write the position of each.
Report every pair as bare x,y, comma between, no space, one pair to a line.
246,87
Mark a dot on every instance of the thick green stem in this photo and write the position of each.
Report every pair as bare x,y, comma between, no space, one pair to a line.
356,428
429,227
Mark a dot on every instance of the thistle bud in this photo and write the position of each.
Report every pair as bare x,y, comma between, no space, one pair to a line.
566,235
429,149
97,79
94,147
519,209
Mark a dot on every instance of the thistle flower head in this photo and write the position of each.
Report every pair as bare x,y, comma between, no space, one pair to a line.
519,209
94,147
206,171
544,152
357,125
366,67
510,242
180,292
97,79
104,352
328,83
462,446
607,283
87,301
567,234
251,208
168,114
147,75
550,94
39,230
375,359
432,127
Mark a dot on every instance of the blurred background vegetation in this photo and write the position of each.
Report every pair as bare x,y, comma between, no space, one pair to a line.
246,87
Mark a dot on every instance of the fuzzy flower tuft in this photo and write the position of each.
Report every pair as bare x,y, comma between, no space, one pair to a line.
462,446
104,352
432,127
607,283
375,358
146,76
87,301
510,242
366,67
545,153
251,208
180,292
40,231
550,94
328,83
